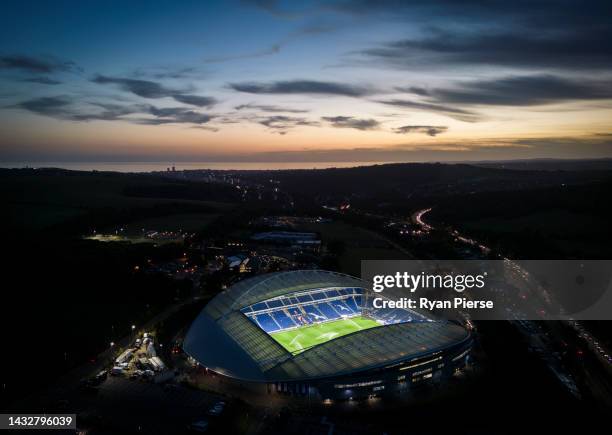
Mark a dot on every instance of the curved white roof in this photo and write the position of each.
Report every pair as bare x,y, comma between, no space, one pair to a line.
223,339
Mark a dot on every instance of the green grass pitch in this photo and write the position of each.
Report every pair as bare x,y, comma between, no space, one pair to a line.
296,340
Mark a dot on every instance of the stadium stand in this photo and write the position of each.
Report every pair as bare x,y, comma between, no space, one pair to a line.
318,306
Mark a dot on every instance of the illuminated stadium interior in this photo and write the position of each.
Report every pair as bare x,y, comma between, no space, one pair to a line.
301,320
318,328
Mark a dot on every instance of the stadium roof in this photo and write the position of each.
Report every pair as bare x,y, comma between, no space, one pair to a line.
223,339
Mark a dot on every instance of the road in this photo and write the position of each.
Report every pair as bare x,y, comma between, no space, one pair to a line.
417,218
597,379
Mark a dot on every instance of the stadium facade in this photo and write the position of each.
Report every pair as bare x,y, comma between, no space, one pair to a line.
315,332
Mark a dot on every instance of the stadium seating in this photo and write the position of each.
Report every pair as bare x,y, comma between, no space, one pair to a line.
283,320
327,311
314,315
304,298
318,296
343,309
266,322
274,303
350,302
317,306
259,306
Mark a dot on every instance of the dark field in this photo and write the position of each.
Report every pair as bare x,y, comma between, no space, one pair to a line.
68,298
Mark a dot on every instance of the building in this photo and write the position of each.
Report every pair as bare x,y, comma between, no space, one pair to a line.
307,332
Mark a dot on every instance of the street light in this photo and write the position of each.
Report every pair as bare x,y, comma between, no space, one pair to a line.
133,332
112,344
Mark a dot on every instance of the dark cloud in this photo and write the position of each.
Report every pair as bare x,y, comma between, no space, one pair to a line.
268,108
35,64
142,88
110,112
62,107
522,49
48,106
170,72
65,108
301,87
280,124
413,90
350,122
453,112
176,115
524,91
527,34
42,81
430,130
153,90
195,100
206,128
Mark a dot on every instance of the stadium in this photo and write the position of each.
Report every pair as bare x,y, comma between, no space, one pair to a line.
315,332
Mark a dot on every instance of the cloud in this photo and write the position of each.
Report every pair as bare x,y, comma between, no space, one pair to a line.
65,108
519,90
268,108
175,115
195,100
301,87
42,81
154,90
206,128
48,106
453,112
170,72
350,122
110,112
142,88
413,90
517,48
36,65
532,34
280,124
526,34
524,91
430,130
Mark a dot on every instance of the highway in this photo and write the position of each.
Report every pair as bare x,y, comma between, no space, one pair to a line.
529,286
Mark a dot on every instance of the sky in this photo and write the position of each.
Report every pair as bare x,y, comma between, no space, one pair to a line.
262,81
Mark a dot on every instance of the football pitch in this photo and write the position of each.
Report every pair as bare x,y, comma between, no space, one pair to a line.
296,340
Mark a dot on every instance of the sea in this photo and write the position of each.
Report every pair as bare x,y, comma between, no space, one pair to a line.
164,166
